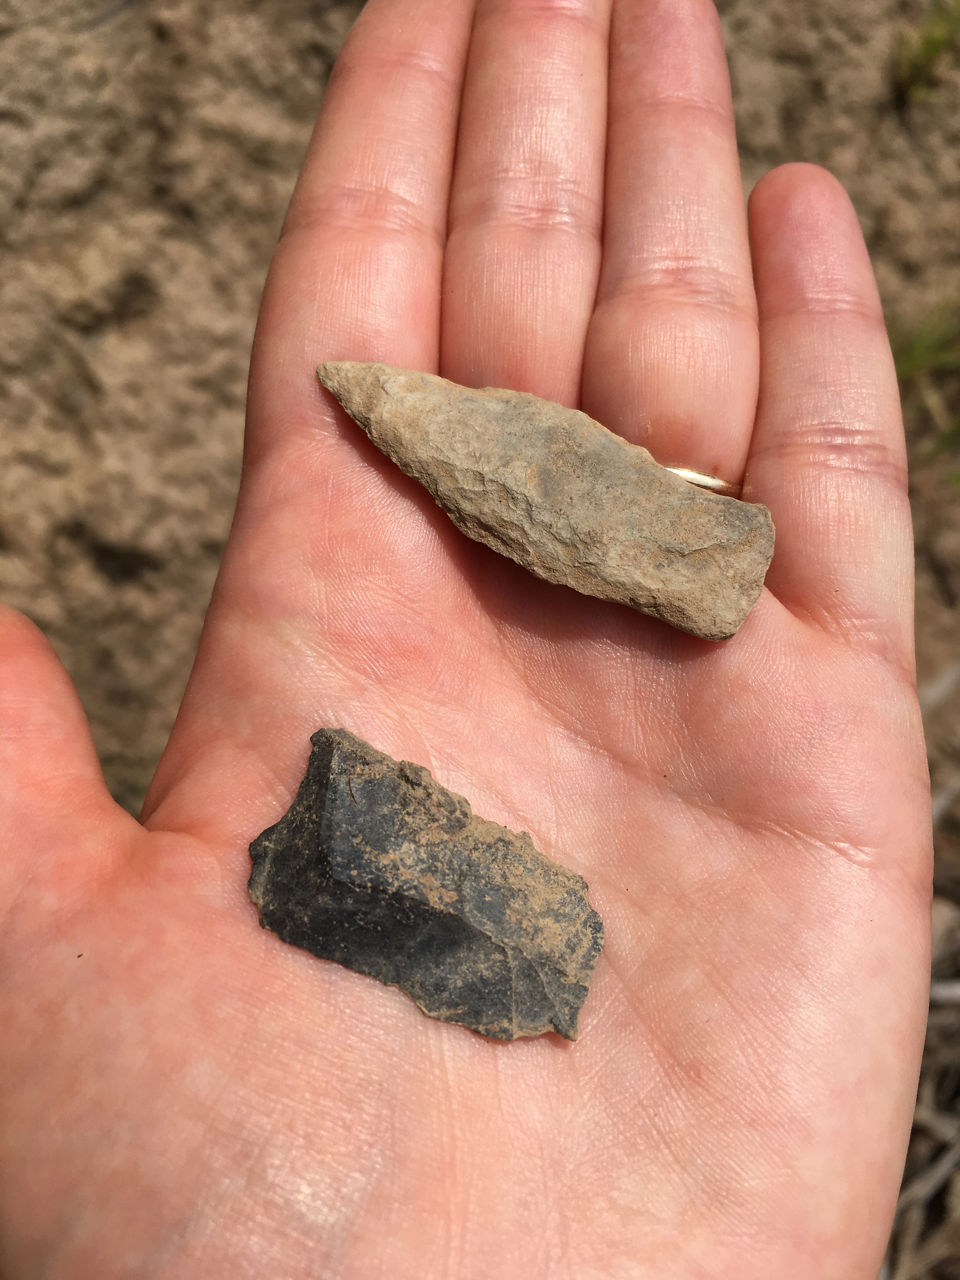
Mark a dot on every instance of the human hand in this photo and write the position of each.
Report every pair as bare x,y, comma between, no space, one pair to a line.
186,1095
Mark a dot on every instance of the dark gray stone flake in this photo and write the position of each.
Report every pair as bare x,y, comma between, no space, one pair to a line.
378,867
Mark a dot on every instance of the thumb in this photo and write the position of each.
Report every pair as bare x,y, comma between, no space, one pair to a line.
54,804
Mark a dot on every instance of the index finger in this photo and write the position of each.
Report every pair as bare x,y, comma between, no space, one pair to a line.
357,274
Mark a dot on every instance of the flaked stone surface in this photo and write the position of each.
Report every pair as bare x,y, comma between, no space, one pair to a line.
378,867
564,497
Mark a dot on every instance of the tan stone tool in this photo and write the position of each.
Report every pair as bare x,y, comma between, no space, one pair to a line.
564,497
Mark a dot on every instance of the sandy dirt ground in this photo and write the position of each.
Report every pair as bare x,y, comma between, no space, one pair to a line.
148,151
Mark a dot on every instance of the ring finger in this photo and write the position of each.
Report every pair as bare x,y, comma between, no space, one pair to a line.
672,351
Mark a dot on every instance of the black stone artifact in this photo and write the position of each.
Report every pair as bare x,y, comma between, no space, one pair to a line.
378,867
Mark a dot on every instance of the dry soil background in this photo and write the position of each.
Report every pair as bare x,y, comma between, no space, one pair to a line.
147,150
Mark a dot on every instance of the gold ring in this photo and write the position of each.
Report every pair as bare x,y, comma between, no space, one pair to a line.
713,483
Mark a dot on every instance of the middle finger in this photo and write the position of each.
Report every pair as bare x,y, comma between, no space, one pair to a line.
523,251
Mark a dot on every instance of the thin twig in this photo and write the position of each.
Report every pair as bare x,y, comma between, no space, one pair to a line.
926,1184
108,14
939,687
936,405
940,1124
908,1237
943,799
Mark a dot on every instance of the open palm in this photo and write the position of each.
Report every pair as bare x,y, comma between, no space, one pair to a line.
543,196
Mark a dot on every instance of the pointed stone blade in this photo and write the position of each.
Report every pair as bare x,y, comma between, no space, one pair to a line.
564,497
378,867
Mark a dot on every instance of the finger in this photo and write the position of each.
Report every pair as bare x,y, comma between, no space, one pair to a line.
50,778
357,275
672,351
828,455
525,214
357,272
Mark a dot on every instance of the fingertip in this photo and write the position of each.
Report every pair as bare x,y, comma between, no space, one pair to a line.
802,195
807,241
785,181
